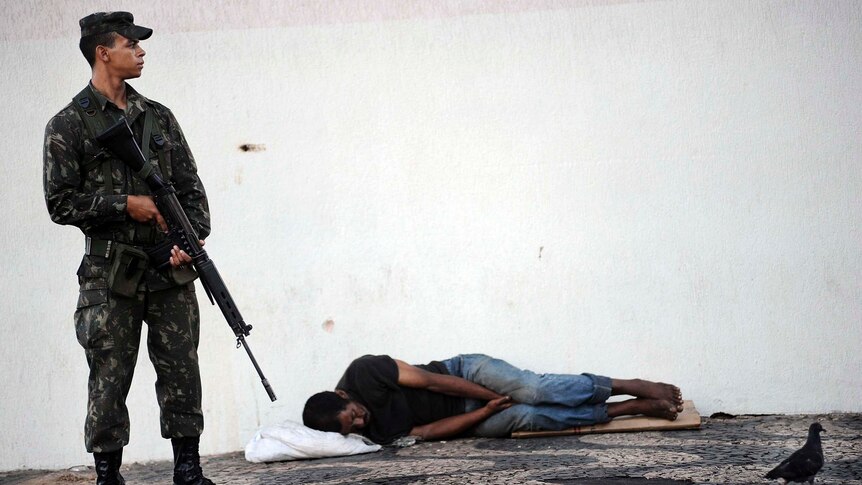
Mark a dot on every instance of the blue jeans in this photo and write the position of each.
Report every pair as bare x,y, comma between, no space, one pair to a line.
544,401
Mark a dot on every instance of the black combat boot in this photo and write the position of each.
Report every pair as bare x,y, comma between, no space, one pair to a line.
187,462
108,468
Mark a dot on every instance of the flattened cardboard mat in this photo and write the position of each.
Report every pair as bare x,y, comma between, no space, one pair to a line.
689,418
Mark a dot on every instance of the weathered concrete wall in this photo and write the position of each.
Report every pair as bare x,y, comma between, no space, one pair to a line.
659,189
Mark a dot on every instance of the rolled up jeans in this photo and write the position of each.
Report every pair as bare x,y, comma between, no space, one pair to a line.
544,402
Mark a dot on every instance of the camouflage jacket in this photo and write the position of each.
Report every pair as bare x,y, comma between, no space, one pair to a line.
75,188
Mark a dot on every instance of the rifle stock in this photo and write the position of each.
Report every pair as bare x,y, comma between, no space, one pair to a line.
121,142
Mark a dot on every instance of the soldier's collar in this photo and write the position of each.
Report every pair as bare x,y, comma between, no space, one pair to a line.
133,98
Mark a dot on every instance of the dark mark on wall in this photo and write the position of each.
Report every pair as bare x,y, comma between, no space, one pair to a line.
252,147
540,251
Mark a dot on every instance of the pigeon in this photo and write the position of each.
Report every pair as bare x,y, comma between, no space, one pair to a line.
805,462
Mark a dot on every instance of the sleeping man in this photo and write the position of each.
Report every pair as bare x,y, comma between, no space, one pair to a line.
472,394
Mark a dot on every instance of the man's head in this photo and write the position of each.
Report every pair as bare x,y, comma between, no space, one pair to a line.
103,33
335,412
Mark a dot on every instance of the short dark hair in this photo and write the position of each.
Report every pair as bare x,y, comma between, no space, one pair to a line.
89,43
321,411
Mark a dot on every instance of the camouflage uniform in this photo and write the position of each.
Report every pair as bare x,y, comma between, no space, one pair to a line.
108,325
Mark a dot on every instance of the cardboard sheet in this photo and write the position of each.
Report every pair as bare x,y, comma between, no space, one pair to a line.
689,418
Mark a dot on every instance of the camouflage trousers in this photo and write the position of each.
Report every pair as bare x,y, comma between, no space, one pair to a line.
109,326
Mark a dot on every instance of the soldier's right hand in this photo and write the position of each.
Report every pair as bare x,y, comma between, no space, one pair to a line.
142,209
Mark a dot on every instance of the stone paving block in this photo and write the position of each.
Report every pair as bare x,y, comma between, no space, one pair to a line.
729,451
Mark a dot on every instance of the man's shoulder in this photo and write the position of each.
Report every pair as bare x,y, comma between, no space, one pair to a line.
370,359
163,114
68,112
369,374
135,97
67,121
159,107
371,366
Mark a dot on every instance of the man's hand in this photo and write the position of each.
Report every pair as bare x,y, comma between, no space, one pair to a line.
460,423
142,209
499,404
180,258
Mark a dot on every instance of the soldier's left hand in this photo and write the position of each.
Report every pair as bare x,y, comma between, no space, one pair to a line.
180,258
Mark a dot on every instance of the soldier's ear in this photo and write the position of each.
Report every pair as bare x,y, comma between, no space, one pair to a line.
102,53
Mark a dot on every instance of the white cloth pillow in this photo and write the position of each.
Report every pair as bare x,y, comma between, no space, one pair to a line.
294,441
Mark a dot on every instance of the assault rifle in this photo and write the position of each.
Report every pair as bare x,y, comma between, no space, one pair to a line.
121,142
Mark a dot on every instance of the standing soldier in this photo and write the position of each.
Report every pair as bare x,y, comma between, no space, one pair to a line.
129,272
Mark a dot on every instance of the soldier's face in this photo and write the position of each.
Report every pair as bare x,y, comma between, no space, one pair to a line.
126,58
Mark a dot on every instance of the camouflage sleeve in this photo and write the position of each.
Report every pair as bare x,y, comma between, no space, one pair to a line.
62,184
190,189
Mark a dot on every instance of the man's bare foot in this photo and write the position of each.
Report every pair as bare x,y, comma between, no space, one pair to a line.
655,408
649,390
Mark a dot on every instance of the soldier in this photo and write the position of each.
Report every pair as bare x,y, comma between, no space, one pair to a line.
121,284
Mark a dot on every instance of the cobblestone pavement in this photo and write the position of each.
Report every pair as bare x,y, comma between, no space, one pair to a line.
736,450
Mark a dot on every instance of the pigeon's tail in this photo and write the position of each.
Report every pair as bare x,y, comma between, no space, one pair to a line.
773,474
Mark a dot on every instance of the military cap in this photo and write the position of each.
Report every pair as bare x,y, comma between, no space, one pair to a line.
119,22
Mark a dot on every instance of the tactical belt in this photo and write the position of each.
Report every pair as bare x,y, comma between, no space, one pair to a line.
159,254
97,247
103,247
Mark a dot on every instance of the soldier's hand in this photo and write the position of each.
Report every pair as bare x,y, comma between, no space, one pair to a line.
180,258
142,209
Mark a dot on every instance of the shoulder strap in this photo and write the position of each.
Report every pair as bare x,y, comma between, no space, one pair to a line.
148,132
96,122
94,118
157,138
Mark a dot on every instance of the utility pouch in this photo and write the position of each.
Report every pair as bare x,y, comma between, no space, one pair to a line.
184,275
127,269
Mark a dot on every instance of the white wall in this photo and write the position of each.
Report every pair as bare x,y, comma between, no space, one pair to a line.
660,189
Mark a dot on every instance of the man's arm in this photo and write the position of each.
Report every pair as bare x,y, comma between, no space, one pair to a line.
456,425
67,202
190,189
412,376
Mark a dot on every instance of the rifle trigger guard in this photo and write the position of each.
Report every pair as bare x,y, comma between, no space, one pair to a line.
238,343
